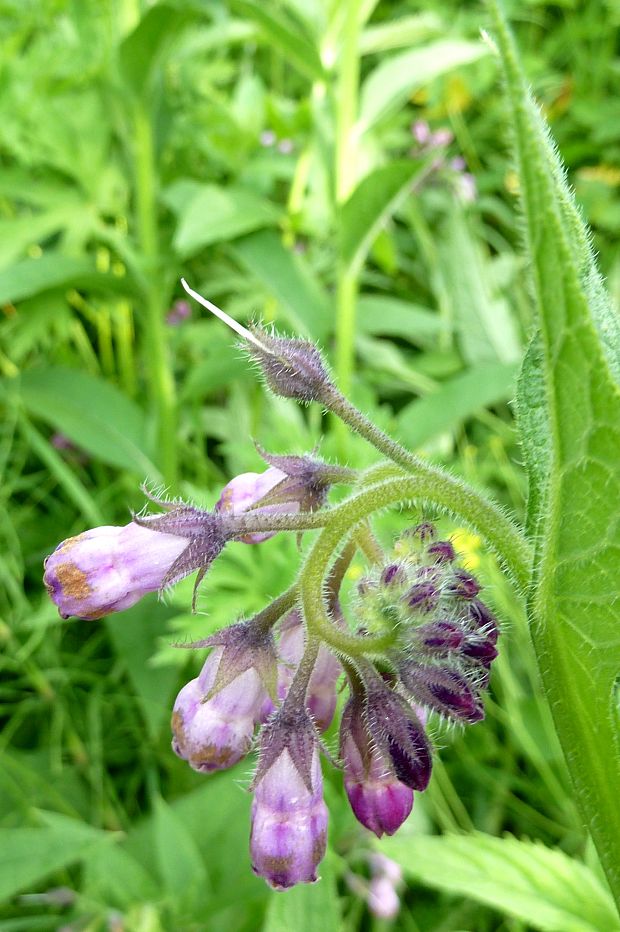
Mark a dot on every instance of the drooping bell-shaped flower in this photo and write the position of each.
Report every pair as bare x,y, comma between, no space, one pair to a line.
245,492
379,800
215,715
108,569
289,817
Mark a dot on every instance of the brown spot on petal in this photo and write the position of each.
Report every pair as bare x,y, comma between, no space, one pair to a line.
73,581
68,544
319,847
212,757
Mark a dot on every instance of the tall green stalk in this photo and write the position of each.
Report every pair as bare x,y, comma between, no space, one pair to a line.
347,88
160,377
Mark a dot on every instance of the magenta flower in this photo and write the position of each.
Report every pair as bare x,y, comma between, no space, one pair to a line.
379,800
109,569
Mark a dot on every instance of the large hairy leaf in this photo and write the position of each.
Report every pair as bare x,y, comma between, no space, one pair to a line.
574,606
542,887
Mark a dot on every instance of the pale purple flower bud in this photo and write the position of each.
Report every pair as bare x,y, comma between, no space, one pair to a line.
244,492
267,138
181,310
382,866
379,800
286,146
108,569
467,188
289,817
458,163
321,695
383,900
421,132
215,733
442,137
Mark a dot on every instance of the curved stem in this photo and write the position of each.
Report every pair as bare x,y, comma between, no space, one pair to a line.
437,487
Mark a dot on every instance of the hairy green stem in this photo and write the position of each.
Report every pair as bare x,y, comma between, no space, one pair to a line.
161,381
268,616
443,491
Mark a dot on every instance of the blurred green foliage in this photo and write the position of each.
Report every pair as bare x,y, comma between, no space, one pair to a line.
226,142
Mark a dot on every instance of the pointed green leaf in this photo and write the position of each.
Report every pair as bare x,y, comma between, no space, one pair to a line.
29,855
574,607
373,201
392,82
542,887
95,415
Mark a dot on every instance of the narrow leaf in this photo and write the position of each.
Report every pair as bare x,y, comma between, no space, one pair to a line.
216,214
392,82
95,415
456,400
373,201
305,304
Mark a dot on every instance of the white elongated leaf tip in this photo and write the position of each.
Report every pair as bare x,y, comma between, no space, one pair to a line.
226,318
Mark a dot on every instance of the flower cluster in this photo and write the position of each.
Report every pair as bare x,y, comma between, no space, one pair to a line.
423,641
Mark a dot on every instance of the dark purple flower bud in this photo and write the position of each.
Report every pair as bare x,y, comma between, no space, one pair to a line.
479,648
396,730
394,575
108,569
321,695
422,597
440,636
289,817
442,551
464,585
444,690
292,368
423,532
246,491
215,733
379,800
483,620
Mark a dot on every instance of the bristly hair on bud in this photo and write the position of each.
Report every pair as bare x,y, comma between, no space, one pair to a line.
292,367
207,533
245,646
396,729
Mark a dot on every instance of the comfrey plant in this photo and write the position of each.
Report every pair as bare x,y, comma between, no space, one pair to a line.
420,639
416,640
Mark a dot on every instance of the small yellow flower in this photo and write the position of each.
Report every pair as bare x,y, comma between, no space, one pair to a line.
467,545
